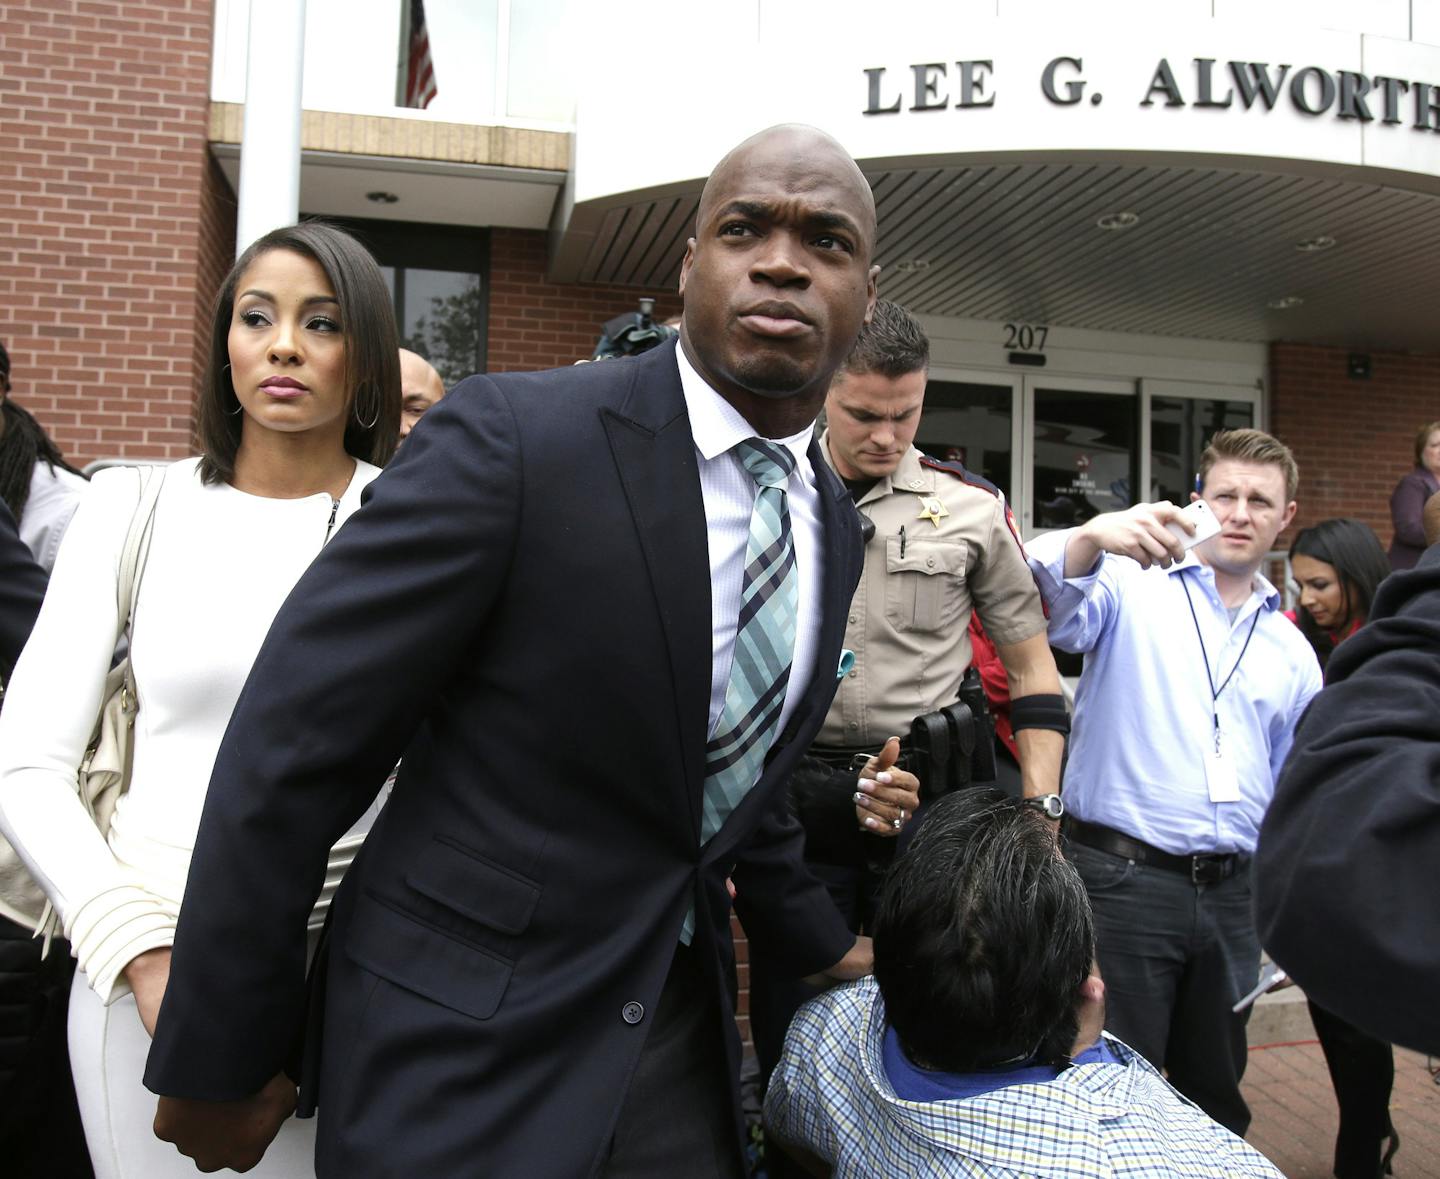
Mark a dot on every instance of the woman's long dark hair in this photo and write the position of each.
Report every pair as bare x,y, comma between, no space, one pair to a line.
23,443
1353,550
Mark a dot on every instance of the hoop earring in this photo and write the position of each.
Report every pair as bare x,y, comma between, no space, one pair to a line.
370,425
230,413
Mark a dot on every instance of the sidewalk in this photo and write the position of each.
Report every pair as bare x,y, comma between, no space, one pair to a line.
1289,1092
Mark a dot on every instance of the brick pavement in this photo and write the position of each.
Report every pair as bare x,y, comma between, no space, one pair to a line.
1289,1092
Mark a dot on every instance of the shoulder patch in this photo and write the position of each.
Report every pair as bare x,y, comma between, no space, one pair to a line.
958,471
973,480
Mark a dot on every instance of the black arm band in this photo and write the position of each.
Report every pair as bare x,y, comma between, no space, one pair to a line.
1046,711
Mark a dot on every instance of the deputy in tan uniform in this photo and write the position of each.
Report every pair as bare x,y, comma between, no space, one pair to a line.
943,545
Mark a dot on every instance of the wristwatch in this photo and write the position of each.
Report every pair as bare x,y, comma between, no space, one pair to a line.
1049,805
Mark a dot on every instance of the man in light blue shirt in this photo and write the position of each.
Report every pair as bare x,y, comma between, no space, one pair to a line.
1194,680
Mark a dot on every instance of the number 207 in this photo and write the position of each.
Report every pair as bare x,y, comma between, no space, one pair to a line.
1024,337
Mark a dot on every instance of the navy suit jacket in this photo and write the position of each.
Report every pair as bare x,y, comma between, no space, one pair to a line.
1346,867
521,608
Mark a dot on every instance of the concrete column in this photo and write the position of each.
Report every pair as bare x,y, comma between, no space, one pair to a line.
270,145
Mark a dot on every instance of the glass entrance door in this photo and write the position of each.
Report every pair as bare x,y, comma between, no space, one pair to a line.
1061,450
1082,453
1064,449
974,422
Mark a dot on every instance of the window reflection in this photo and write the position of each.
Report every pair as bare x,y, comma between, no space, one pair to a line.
1084,455
1179,429
441,316
969,423
463,36
542,60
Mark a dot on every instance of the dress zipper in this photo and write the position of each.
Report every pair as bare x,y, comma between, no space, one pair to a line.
330,527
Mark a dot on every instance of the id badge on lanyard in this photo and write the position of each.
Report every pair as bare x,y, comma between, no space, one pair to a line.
1222,779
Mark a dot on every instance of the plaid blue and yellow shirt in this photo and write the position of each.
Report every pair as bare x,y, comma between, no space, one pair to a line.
830,1095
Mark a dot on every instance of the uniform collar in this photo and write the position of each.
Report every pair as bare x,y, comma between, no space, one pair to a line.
910,475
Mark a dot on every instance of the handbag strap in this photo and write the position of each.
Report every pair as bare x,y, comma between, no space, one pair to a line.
137,548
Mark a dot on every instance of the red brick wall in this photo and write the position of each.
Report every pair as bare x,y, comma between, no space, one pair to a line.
1352,438
217,252
103,110
535,323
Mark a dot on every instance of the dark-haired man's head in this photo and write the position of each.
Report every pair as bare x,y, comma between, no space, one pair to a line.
984,938
876,398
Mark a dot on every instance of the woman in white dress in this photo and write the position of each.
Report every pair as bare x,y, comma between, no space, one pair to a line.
298,410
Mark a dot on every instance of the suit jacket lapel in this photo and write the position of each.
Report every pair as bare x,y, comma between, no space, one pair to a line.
654,455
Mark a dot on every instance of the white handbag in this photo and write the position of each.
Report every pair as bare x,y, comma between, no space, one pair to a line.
104,773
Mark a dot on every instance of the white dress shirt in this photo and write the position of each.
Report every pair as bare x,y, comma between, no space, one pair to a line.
729,494
55,493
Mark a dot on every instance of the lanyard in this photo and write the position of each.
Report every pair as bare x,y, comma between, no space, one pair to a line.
1205,655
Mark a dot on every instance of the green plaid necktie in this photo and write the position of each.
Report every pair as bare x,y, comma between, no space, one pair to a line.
764,646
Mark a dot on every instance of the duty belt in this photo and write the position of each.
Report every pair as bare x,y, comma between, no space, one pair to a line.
1203,868
853,757
948,749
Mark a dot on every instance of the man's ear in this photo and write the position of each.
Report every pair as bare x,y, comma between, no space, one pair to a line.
1194,495
872,291
1090,1010
1288,515
686,263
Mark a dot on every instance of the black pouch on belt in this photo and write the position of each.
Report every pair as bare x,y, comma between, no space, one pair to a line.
931,752
961,722
983,771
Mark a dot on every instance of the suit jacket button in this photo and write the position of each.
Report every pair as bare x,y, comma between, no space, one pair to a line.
632,1012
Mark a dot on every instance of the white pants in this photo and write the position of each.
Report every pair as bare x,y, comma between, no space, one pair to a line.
108,1046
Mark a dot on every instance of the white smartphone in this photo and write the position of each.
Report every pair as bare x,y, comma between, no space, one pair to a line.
1272,976
1204,520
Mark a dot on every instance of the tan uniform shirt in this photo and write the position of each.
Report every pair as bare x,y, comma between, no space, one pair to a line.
942,547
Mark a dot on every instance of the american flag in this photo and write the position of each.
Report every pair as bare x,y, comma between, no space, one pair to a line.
419,69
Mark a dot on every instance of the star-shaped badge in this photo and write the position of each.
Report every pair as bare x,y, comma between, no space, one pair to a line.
933,510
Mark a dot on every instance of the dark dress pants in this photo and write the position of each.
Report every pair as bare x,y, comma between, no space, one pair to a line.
1176,956
40,1131
1362,1070
678,1116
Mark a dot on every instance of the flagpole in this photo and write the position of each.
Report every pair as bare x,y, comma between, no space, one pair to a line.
402,58
270,145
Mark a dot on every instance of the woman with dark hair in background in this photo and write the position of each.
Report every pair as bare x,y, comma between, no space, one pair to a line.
1338,564
299,408
1407,501
39,1121
39,487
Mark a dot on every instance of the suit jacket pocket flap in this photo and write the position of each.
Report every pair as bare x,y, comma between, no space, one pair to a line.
475,888
420,958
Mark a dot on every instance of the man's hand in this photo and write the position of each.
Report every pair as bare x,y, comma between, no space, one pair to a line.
147,975
859,961
1138,533
220,1134
884,794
